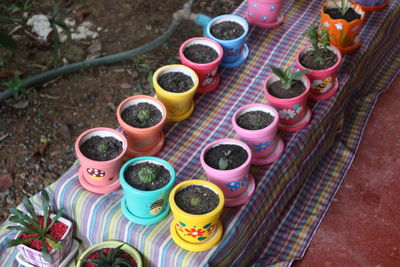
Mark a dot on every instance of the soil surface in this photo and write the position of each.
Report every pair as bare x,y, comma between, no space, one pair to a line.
235,156
101,148
255,120
162,176
277,90
227,30
309,59
200,53
196,199
130,115
350,15
96,254
175,82
38,129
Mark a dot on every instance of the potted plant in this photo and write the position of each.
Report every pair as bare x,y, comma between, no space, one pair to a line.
343,20
100,151
41,227
288,92
196,206
175,86
322,62
264,13
230,32
227,163
146,182
257,126
203,55
142,117
372,5
110,253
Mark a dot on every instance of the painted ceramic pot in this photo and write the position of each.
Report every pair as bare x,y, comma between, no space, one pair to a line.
146,207
196,232
179,105
207,72
294,113
143,141
235,50
266,146
264,13
111,244
100,177
344,35
372,5
324,83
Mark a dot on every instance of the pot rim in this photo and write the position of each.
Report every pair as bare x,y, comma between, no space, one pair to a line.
356,7
303,78
205,39
226,17
262,107
331,48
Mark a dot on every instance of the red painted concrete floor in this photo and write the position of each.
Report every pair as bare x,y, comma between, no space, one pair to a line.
362,226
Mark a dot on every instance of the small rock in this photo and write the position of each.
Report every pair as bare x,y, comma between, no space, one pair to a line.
65,132
74,53
6,181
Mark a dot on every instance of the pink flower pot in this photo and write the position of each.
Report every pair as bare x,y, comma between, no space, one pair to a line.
236,184
264,13
207,72
266,146
324,83
100,177
294,113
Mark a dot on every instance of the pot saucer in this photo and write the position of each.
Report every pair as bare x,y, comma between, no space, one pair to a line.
278,22
74,248
349,49
238,62
98,189
143,221
207,89
274,156
298,126
133,153
183,116
326,95
244,197
211,242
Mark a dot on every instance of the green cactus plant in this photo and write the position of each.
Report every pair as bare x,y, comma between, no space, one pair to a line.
147,175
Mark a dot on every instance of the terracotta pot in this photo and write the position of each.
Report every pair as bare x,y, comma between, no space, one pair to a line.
143,141
344,34
372,5
264,13
324,83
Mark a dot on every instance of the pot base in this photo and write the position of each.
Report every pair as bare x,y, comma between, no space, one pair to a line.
238,62
266,25
373,8
298,126
181,117
244,197
196,247
98,189
143,221
274,156
326,95
350,49
207,89
131,153
74,248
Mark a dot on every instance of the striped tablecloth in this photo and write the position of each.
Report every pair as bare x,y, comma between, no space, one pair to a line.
293,194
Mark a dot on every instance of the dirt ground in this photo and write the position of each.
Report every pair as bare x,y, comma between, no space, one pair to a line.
38,129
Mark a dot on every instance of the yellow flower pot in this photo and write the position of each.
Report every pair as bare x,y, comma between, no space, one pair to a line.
179,105
196,232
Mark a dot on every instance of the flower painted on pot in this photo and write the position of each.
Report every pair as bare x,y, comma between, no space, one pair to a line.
96,174
322,86
326,24
255,5
264,17
298,108
250,14
287,114
339,26
179,227
156,207
195,232
235,185
272,7
261,146
211,228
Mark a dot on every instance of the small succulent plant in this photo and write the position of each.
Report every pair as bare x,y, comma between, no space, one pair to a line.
143,115
102,148
257,123
224,161
195,201
320,39
343,6
147,175
112,259
287,77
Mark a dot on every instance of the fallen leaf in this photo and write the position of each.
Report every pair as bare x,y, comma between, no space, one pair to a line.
17,105
65,132
6,181
3,137
81,15
125,85
10,73
94,50
40,151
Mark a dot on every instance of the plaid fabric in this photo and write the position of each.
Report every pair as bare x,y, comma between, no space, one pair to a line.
293,194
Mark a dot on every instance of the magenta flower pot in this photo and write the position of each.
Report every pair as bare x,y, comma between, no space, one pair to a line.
266,146
324,83
264,13
236,184
100,177
294,113
207,72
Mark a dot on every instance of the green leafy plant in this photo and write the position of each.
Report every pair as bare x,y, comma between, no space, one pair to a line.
14,85
147,175
143,115
55,20
257,123
287,77
5,40
30,225
102,148
224,161
195,201
112,259
320,39
343,6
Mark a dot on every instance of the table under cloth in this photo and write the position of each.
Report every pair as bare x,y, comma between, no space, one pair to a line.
293,194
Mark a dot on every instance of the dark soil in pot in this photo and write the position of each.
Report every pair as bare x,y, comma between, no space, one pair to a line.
350,15
196,199
175,82
309,59
255,120
96,254
233,156
160,179
101,148
142,115
277,90
227,30
199,53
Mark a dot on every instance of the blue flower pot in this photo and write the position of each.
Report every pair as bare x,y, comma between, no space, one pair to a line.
146,207
235,50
